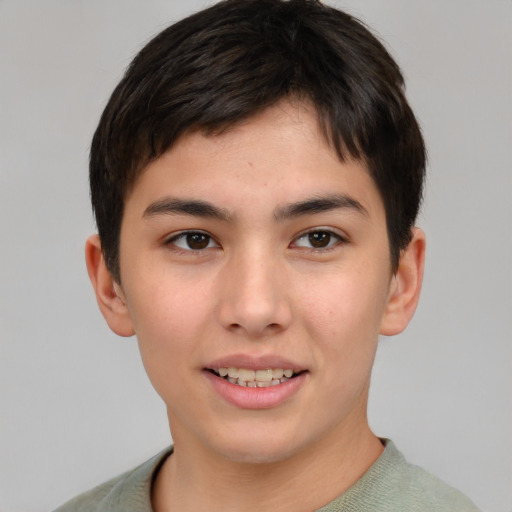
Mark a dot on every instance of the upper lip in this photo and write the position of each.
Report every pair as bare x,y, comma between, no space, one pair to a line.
254,362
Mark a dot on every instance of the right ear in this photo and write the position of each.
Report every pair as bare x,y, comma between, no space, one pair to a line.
109,294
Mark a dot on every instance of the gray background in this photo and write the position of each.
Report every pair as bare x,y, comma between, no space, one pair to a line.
75,405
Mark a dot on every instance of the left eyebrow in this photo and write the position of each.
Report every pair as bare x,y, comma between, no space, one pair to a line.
319,205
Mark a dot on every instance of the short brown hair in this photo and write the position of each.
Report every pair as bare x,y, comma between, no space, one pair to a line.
238,57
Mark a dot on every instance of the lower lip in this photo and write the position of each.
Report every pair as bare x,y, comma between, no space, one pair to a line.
255,398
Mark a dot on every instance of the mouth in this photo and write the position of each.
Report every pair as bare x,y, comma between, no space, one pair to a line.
263,378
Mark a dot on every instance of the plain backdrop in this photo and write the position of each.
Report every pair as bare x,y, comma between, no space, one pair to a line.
75,405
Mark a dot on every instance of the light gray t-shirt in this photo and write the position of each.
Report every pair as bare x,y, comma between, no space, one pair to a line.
391,484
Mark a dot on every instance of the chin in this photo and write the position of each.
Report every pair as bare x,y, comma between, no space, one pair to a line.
259,449
258,456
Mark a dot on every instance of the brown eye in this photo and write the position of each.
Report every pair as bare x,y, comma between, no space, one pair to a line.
319,239
197,241
193,241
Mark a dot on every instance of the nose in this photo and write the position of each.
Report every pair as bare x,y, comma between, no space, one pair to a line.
253,297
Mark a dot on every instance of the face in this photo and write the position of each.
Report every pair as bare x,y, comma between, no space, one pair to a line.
256,253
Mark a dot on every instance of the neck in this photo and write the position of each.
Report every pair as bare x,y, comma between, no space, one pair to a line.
196,479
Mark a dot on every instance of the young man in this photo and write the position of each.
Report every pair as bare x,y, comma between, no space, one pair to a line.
255,177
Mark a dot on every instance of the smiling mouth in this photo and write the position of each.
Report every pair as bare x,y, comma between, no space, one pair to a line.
255,378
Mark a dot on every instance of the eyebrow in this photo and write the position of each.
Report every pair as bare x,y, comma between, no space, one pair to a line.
319,205
196,208
199,208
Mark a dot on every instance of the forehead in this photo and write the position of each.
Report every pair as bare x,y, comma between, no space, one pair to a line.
276,156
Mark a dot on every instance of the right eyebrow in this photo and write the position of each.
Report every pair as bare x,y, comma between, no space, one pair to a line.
193,207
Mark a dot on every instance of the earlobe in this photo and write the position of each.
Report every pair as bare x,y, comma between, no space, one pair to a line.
405,287
109,294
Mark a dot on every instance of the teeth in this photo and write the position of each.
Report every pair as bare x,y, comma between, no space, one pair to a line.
277,373
256,378
264,375
246,375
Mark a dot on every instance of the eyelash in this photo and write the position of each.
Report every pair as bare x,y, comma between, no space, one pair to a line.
334,239
184,236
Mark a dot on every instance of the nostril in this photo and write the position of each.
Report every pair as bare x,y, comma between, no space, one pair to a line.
271,328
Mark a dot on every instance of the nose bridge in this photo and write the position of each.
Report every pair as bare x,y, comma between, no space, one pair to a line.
252,299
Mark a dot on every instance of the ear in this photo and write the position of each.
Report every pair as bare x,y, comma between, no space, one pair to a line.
109,294
405,286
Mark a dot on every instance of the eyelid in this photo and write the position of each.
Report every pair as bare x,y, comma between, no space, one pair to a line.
180,235
340,238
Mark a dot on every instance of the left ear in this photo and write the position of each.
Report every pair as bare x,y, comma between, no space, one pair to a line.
405,286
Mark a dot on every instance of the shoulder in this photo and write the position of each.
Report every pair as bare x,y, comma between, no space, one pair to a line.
419,488
391,484
130,492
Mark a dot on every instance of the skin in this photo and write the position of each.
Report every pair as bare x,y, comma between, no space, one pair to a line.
254,287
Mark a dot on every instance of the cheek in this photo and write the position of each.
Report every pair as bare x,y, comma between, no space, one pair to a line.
344,309
170,319
168,306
